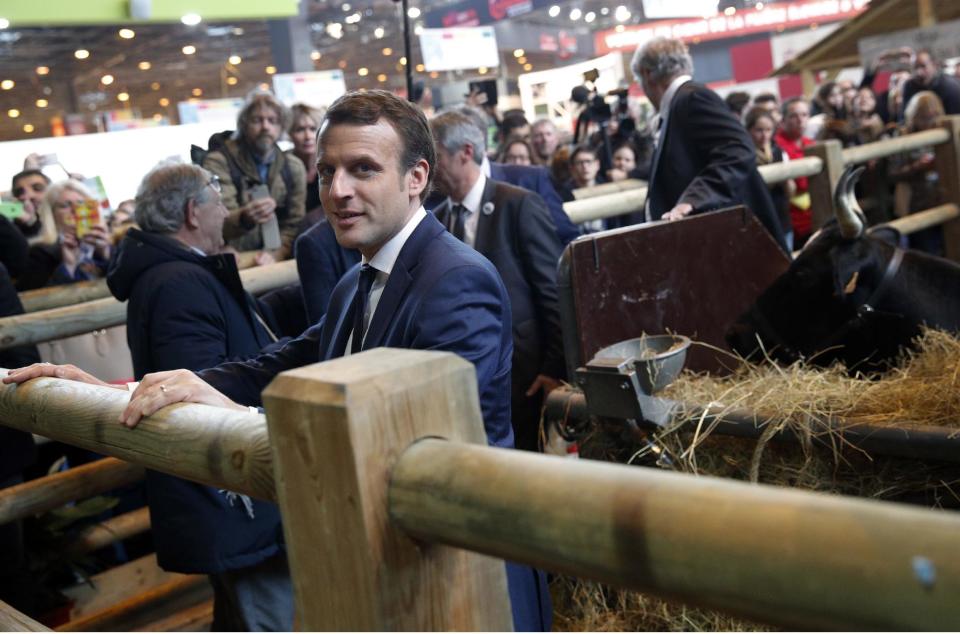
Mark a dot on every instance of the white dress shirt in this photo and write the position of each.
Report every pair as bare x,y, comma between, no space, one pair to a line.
472,202
383,263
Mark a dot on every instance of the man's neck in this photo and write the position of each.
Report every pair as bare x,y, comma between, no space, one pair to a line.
464,187
188,240
369,253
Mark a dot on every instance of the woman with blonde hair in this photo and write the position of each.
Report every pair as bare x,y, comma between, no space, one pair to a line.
304,123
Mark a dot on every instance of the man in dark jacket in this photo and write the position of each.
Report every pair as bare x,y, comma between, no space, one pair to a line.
927,75
187,309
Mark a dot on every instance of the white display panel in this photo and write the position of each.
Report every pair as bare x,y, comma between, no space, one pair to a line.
657,9
318,89
459,48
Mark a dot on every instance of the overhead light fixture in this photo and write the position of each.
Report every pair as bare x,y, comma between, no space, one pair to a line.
342,63
554,11
379,32
758,6
730,11
232,81
418,30
106,80
521,60
403,61
235,59
270,70
196,92
413,13
127,34
528,67
42,103
353,18
434,75
81,53
7,84
334,30
575,14
589,17
518,52
144,65
420,68
483,70
155,86
13,113
315,55
158,117
124,96
619,28
4,23
363,71
43,70
387,51
605,11
28,128
622,14
346,7
164,102
191,19
381,77
189,49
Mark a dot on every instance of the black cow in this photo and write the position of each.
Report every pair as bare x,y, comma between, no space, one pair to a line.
851,296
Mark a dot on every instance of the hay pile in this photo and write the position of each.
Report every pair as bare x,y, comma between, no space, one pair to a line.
924,389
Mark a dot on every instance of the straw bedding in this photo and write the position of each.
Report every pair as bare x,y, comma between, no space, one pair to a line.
921,390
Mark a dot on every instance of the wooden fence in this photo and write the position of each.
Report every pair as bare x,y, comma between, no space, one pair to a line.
395,510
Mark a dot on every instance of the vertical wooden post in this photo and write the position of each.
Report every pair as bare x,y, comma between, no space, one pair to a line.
947,157
808,80
823,184
336,430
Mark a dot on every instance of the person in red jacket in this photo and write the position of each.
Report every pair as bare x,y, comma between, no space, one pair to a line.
790,138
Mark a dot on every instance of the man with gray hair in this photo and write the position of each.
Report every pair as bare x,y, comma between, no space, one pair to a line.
511,227
264,188
704,159
187,309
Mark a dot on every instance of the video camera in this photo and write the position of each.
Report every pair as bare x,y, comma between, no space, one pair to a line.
597,110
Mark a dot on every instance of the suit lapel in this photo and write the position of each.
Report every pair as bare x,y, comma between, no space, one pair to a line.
484,235
344,323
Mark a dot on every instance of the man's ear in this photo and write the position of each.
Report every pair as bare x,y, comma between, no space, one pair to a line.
191,216
469,151
418,177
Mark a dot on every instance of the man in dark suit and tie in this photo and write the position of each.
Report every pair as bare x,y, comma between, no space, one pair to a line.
704,159
417,287
512,228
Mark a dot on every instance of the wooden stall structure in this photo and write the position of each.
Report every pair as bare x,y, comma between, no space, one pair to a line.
389,493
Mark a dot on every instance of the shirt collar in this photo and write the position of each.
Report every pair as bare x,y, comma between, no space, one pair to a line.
670,92
387,256
474,197
485,167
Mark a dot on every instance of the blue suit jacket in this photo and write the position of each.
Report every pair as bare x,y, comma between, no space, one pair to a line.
321,262
441,295
537,179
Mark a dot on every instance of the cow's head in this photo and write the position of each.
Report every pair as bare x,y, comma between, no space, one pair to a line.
815,310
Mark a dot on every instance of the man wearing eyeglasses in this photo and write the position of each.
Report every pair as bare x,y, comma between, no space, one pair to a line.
187,309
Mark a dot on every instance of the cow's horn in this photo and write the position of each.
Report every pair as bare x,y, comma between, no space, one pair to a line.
849,214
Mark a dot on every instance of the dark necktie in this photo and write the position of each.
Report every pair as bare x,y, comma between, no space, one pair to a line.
367,273
459,214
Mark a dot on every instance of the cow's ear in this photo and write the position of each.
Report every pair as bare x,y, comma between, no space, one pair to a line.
886,234
847,264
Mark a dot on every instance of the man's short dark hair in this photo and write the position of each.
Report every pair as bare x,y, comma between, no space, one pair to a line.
24,174
765,97
408,120
737,101
512,121
785,108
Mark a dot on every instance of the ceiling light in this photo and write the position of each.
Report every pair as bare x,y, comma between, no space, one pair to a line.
346,7
378,32
189,49
518,52
164,102
123,96
730,11
106,80
605,11
758,6
144,65
81,53
13,113
381,77
403,61
28,128
335,30
590,16
43,70
342,63
191,19
7,84
4,23
387,51
232,81
127,34
42,103
619,28
158,117
521,60
413,13
434,75
315,55
575,14
270,70
418,30
363,72
155,86
353,18
528,67
483,70
554,11
622,14
196,92
235,59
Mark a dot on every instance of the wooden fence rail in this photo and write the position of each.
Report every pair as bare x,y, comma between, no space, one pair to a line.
388,492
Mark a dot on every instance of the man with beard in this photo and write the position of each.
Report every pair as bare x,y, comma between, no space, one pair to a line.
261,184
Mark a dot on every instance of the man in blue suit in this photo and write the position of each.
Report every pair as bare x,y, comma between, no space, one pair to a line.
417,287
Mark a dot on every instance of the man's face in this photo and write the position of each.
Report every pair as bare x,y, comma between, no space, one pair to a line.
544,140
263,129
211,213
924,69
585,167
796,120
451,170
30,189
366,196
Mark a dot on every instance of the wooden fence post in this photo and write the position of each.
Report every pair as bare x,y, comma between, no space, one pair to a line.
336,430
948,167
823,184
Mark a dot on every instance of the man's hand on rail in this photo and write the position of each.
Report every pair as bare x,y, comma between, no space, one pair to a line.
69,372
160,389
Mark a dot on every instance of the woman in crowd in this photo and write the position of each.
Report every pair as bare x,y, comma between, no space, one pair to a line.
83,245
829,103
624,162
304,122
917,181
515,151
760,125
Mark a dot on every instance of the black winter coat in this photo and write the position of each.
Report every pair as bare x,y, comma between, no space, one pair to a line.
190,311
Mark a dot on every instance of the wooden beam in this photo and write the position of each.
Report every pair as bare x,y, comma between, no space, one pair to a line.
196,618
947,163
337,429
223,448
583,193
110,531
888,147
823,184
797,559
925,219
12,620
117,584
53,491
606,206
926,13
